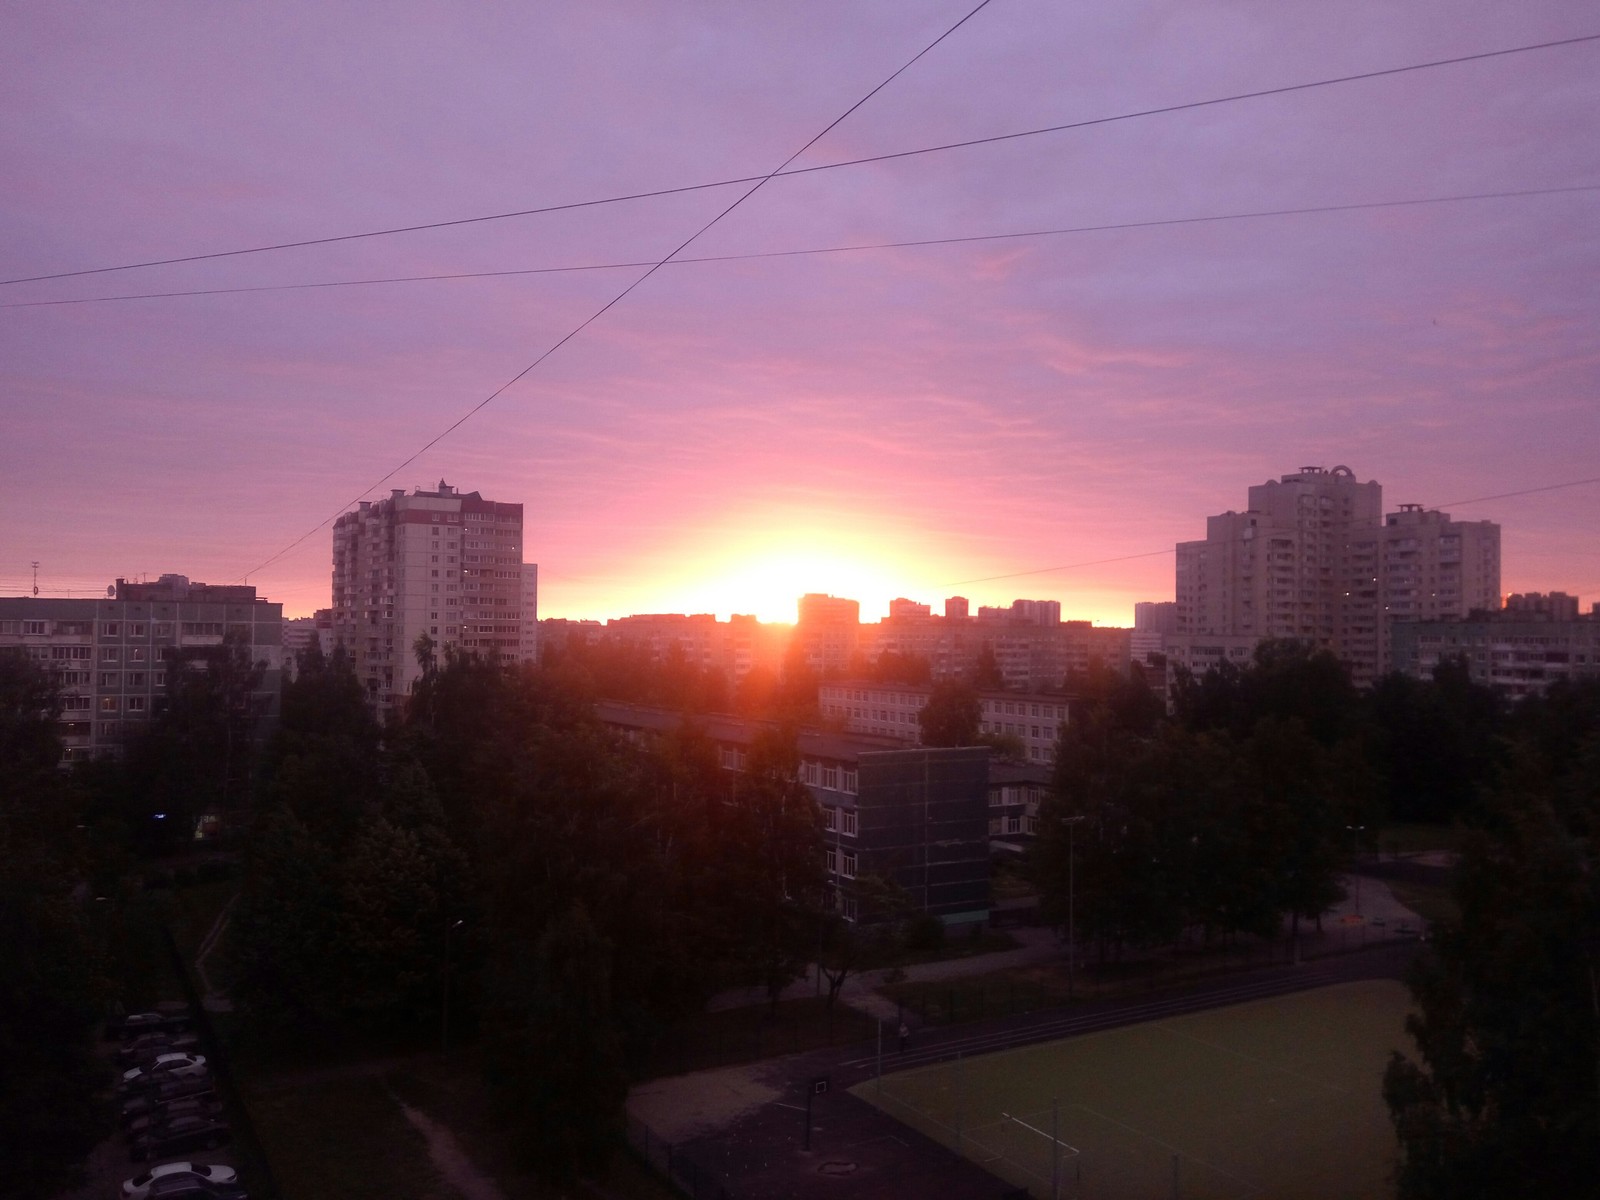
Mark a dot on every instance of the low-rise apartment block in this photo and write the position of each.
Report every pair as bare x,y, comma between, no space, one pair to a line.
916,816
892,710
111,658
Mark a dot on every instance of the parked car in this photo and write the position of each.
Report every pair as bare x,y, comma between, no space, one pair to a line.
179,1187
181,1135
138,1187
162,1114
142,1101
165,1066
148,1046
132,1025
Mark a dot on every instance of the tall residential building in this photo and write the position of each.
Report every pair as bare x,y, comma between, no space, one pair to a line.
1312,558
444,564
111,658
827,631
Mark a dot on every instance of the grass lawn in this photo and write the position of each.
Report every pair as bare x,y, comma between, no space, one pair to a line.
1432,902
1277,1098
1416,838
339,1138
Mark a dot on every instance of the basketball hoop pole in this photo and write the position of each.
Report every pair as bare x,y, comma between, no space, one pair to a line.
1055,1150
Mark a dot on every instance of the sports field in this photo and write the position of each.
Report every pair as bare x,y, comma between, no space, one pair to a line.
1276,1098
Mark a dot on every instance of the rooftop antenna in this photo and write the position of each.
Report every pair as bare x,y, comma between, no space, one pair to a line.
35,579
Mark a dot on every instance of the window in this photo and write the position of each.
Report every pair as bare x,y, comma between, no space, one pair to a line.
830,818
847,822
730,758
108,704
109,679
136,679
136,704
74,703
163,629
833,861
109,629
136,654
108,654
36,627
810,773
1014,823
160,679
136,630
847,907
847,864
830,778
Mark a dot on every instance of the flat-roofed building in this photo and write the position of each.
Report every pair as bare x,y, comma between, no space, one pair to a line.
112,658
913,815
443,564
892,710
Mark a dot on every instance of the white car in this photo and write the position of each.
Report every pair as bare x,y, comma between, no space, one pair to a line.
166,1066
138,1187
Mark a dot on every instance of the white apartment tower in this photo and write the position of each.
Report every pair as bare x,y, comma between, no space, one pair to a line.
446,564
1313,558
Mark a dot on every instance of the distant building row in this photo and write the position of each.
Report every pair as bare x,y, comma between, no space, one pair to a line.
1032,647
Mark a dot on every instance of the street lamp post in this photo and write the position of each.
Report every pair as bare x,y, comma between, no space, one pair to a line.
1357,830
444,1009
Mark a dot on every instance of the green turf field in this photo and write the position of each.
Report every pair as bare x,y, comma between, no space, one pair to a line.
1277,1098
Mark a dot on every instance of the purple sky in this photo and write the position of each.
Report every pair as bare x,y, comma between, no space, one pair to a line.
873,424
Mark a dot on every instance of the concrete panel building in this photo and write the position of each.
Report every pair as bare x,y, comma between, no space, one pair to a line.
1314,559
112,658
446,564
916,816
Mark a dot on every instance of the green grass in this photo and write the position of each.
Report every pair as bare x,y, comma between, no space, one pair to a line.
1432,902
341,1138
1278,1098
1416,838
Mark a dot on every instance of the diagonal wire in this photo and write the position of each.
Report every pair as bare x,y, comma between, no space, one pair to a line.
758,180
620,296
1156,223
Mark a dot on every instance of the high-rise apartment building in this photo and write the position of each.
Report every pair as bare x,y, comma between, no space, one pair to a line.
1313,558
444,564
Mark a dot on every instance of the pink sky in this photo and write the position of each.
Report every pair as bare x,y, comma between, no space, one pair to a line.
871,424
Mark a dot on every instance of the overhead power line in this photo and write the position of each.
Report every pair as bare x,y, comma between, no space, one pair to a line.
1156,223
785,172
1100,562
620,296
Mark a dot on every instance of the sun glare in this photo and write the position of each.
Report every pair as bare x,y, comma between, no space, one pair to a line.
763,571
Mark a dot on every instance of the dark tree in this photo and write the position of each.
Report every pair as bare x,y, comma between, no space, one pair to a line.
953,715
1503,1099
552,1055
52,986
